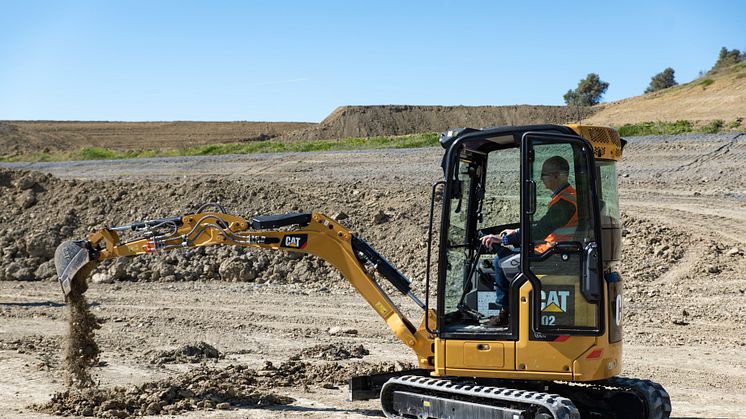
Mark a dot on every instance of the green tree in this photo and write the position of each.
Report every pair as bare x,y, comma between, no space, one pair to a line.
588,93
727,58
662,80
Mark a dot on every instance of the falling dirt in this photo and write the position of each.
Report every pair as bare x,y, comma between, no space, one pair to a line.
81,352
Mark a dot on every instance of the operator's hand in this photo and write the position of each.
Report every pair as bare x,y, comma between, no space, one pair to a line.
491,240
508,232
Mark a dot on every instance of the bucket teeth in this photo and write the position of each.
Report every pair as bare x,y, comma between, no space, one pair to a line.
73,262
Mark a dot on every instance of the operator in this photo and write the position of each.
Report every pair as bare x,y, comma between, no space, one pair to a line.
558,224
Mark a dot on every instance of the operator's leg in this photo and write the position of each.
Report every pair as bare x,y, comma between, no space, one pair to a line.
502,289
501,284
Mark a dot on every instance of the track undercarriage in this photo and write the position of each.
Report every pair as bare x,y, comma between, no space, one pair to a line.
418,396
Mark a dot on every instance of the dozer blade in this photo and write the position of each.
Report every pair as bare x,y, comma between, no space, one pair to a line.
73,262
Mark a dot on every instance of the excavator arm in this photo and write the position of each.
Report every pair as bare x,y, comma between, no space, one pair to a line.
311,233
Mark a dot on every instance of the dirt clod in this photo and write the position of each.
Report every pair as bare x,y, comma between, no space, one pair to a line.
334,352
341,331
191,353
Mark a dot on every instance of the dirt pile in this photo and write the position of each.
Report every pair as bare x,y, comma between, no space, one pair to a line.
206,388
40,211
333,352
650,250
298,373
372,121
190,353
202,388
676,280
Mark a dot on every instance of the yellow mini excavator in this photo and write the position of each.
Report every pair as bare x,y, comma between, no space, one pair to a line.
558,352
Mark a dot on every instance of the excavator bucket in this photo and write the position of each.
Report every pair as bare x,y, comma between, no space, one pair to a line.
73,262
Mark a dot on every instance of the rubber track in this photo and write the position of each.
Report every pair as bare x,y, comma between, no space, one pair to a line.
655,396
560,407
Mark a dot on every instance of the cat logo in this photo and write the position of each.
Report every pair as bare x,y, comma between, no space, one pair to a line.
295,241
554,301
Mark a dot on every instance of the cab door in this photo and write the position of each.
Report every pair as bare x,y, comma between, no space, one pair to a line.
560,252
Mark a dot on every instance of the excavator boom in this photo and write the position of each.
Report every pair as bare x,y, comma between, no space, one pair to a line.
311,233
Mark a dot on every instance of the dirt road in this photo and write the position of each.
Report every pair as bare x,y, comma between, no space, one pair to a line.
684,200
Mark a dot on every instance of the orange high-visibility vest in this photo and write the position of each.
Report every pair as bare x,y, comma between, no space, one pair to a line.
567,231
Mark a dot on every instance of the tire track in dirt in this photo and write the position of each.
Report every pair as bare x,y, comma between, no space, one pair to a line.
703,219
721,151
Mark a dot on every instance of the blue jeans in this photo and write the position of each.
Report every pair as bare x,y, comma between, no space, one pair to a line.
502,286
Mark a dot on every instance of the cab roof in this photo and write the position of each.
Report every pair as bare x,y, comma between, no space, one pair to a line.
607,145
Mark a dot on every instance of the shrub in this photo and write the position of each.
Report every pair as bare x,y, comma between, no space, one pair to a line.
727,58
735,123
713,127
662,80
656,128
98,153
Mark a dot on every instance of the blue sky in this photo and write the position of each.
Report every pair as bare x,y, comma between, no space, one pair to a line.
298,60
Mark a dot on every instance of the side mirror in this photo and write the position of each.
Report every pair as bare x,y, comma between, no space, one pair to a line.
590,285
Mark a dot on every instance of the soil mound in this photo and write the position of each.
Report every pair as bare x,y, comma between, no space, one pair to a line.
203,388
650,249
298,373
46,210
334,352
191,353
384,120
206,388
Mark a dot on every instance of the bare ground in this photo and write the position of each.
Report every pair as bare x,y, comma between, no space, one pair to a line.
684,200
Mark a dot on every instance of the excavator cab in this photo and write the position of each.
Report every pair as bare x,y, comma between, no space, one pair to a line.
556,290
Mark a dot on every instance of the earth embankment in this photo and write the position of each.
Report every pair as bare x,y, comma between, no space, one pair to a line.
372,121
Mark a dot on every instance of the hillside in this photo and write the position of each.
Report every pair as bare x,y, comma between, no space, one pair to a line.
714,96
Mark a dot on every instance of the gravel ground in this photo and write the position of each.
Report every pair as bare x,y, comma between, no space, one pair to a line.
684,265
